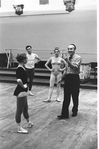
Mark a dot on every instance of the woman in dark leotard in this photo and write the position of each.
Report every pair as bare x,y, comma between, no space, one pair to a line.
21,93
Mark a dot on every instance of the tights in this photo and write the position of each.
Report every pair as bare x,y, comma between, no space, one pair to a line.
22,107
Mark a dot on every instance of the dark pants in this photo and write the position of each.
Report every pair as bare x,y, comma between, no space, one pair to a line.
71,89
22,107
30,73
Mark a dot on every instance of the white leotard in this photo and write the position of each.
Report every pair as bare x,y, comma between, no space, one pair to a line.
56,65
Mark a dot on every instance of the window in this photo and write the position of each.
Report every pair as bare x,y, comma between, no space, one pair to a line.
43,2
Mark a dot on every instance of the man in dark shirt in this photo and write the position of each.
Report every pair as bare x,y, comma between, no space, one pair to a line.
71,83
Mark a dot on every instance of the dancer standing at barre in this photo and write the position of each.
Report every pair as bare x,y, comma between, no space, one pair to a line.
56,72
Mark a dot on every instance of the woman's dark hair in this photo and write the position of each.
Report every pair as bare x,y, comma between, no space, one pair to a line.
21,57
28,47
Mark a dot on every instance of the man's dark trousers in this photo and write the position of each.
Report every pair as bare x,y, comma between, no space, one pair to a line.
71,89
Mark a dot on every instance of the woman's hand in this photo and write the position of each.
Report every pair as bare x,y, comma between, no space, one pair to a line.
51,69
62,69
67,60
25,85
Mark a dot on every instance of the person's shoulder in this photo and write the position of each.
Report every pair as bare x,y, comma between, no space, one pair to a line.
50,58
34,54
53,58
19,69
61,58
27,54
78,56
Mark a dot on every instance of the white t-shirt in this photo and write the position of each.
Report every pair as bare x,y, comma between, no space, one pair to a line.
31,60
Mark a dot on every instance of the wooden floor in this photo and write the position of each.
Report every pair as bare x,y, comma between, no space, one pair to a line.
48,132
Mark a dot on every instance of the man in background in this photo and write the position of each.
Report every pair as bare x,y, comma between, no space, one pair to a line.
30,66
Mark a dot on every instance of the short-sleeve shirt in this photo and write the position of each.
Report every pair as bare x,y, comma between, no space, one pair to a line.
30,60
21,74
76,60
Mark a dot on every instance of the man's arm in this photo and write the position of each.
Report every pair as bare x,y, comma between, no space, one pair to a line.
74,65
37,58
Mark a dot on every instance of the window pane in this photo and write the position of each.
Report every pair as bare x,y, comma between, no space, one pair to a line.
43,2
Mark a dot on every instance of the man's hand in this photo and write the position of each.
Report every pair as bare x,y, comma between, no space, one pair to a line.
67,60
59,81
